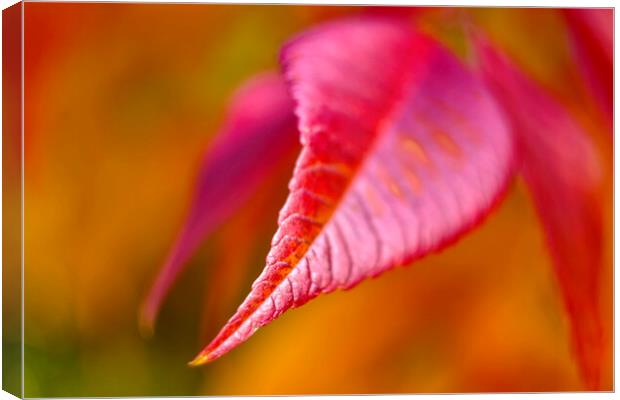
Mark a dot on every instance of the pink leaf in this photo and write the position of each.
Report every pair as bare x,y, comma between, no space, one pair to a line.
258,134
562,171
403,151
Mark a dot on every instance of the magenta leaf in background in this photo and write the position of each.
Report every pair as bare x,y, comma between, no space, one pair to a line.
259,132
563,174
403,151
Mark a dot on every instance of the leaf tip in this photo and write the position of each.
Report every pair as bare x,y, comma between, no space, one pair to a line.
202,358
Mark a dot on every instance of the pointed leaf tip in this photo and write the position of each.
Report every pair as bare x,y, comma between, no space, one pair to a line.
200,360
403,151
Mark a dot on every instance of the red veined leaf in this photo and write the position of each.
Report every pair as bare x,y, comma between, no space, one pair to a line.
403,151
562,172
259,133
592,37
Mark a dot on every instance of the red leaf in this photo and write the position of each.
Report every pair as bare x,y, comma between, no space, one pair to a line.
403,152
592,37
562,172
258,134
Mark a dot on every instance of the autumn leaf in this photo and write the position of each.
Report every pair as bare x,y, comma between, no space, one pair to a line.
403,151
259,133
563,174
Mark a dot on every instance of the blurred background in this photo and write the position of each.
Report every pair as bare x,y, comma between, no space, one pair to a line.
121,102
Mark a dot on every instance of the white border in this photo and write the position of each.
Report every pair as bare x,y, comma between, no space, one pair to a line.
527,3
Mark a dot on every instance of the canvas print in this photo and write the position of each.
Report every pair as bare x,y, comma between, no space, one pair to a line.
218,199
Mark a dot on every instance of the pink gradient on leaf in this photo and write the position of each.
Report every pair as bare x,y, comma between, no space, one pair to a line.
562,172
404,151
259,133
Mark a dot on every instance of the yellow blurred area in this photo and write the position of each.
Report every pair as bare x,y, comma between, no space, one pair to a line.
122,100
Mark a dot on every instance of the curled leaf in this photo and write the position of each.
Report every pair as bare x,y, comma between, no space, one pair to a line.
258,134
563,174
403,151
